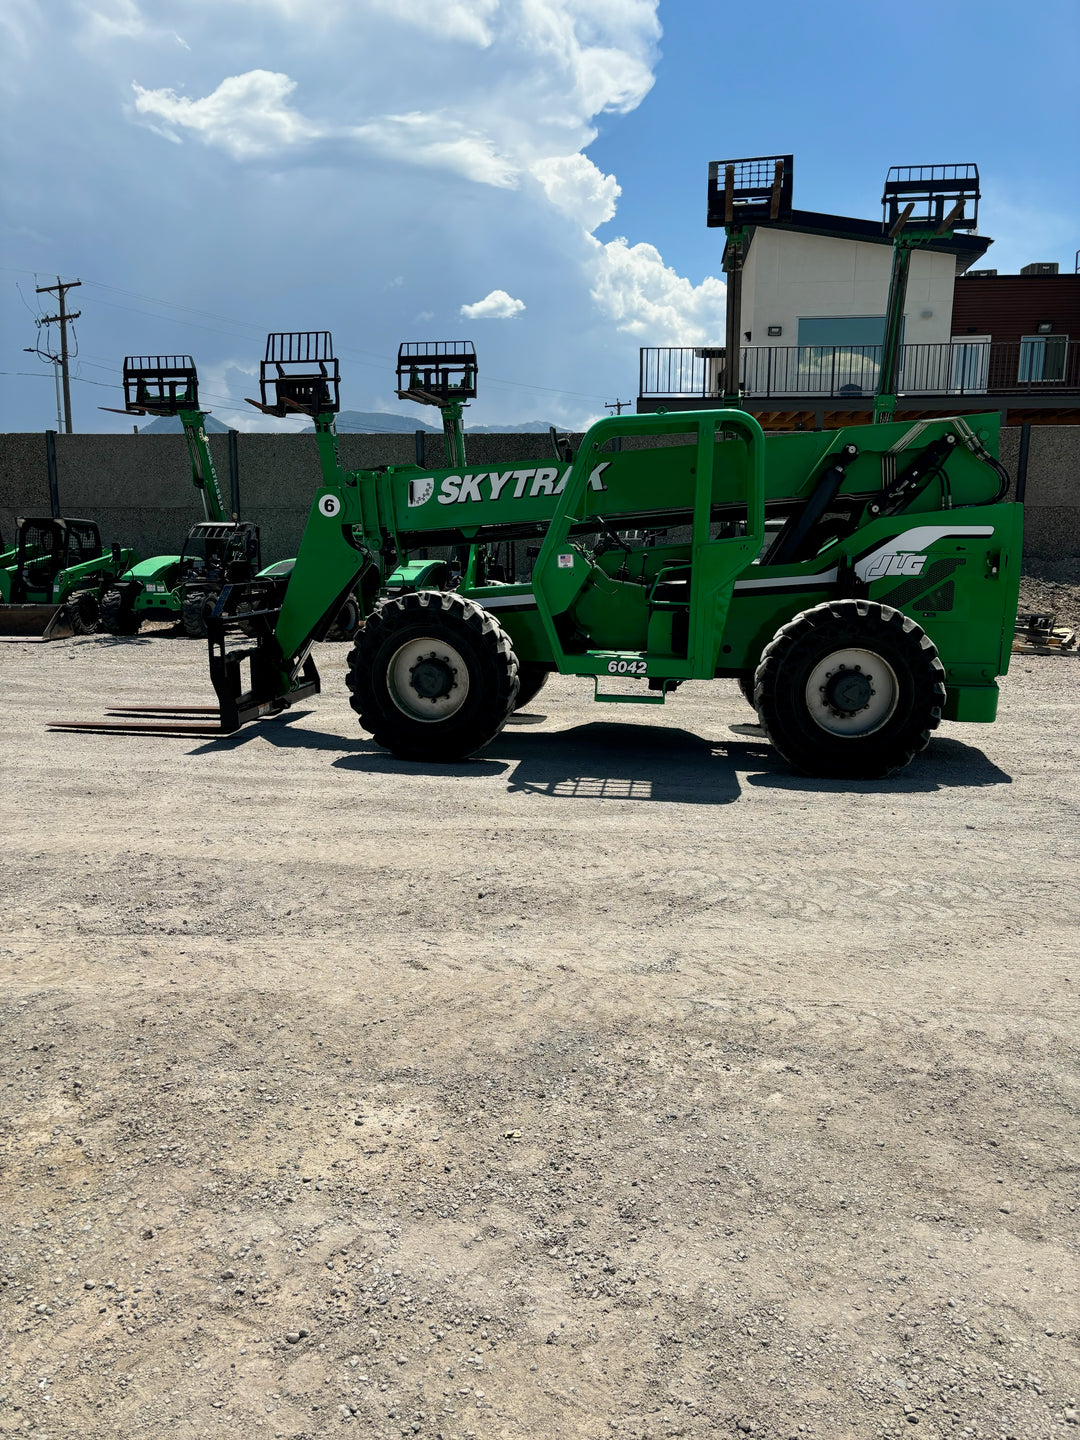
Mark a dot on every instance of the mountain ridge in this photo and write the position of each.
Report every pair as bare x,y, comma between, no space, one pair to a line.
360,422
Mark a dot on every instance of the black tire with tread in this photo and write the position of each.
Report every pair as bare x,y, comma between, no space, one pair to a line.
747,684
532,677
83,612
482,643
346,621
797,647
193,612
116,616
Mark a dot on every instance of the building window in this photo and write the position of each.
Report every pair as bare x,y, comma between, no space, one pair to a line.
1042,357
851,332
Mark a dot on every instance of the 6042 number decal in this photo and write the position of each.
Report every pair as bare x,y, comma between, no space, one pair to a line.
628,667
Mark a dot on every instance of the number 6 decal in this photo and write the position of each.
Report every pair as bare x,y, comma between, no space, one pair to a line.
329,506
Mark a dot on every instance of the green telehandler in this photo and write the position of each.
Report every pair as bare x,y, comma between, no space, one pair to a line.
219,549
861,583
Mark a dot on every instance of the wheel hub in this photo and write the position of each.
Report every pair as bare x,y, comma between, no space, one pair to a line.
432,677
848,691
852,692
428,679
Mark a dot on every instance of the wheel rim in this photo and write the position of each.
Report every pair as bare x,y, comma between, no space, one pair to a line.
428,679
852,692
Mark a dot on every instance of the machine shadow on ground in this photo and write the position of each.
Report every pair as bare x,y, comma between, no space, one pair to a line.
946,764
613,760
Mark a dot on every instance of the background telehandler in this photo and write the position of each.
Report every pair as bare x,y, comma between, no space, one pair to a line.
219,549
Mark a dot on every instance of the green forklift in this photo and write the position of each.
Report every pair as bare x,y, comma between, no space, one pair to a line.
861,582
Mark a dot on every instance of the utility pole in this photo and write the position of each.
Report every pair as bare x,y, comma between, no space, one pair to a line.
64,318
617,405
33,350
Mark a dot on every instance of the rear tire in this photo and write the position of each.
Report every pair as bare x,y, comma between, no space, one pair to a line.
346,621
117,617
432,676
83,612
746,684
195,610
532,677
850,689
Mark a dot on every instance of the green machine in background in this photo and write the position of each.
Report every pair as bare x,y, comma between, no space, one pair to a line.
52,579
921,204
299,375
220,548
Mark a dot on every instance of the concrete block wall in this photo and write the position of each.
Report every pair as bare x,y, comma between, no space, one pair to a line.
138,487
1052,503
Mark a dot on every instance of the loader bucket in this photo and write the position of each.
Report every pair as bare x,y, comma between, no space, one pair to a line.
36,622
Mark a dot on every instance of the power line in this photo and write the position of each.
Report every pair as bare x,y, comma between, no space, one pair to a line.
369,358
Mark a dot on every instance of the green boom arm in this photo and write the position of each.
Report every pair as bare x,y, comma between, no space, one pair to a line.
203,473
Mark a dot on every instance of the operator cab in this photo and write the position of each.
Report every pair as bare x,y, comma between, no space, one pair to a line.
220,552
44,548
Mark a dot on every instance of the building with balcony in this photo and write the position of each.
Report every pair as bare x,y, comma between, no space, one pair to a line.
813,316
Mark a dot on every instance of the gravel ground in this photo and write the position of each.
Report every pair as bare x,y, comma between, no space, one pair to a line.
615,1083
1053,587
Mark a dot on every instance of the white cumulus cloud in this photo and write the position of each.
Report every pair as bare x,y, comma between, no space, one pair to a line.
468,20
574,185
247,115
502,94
648,299
496,306
437,140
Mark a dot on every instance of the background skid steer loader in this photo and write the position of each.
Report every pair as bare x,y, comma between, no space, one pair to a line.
51,581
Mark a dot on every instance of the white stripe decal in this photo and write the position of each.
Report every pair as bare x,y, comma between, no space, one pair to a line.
520,602
784,582
789,582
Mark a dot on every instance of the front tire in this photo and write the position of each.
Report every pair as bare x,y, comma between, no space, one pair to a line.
195,610
850,689
432,676
117,617
84,613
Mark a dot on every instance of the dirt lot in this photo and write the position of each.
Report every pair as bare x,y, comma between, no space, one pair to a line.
617,1083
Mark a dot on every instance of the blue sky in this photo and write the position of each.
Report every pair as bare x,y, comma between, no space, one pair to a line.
529,174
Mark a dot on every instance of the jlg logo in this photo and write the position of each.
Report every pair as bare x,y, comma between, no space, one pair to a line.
884,565
905,554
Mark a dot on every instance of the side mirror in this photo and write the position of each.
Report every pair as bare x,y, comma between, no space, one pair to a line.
114,549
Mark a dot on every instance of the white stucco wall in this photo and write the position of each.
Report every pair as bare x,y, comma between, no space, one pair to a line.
788,276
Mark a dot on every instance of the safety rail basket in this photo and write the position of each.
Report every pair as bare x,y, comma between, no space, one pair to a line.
160,384
300,375
436,372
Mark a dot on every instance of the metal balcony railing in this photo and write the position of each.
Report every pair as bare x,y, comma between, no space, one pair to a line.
1045,364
